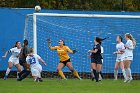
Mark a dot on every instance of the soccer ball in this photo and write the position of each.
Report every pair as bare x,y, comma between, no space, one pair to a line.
37,8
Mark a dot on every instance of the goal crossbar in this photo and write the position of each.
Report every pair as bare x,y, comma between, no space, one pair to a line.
84,15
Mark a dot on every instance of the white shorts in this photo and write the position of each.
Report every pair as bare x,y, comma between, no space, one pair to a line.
36,71
120,58
128,58
15,61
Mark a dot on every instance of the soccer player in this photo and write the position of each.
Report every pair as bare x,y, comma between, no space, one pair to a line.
63,50
100,74
22,60
120,57
96,58
36,69
129,46
14,59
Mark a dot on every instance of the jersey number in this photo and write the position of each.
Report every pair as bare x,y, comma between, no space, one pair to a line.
32,60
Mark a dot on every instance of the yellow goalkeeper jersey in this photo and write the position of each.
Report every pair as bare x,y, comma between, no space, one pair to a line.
62,52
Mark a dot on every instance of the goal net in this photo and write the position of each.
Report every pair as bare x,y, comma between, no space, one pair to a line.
78,32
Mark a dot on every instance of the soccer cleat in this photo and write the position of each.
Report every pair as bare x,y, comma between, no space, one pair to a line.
126,80
80,78
40,79
64,79
5,77
93,79
19,76
36,80
130,79
19,79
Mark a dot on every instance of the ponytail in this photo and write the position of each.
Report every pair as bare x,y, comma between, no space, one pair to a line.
131,38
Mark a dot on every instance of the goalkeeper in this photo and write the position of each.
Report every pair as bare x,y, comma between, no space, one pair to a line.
63,50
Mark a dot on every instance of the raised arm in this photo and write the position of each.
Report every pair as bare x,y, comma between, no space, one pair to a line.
49,45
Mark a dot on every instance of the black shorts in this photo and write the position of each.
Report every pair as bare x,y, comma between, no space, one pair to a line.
22,61
96,61
65,62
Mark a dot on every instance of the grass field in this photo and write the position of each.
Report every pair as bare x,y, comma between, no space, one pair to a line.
68,86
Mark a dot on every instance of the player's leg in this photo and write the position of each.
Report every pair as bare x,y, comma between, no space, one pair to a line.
22,63
101,74
123,70
99,68
92,75
24,73
116,70
18,69
93,66
35,75
59,69
75,73
39,73
128,70
10,65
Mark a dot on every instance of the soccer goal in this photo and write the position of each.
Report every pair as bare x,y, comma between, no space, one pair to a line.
78,32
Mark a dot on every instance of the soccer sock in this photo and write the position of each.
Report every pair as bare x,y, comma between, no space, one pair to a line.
21,73
92,74
115,74
101,74
7,71
61,74
76,74
17,74
100,78
129,72
124,74
96,75
25,74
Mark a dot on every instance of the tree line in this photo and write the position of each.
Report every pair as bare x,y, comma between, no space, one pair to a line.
108,5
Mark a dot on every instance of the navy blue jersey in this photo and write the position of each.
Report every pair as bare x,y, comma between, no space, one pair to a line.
97,55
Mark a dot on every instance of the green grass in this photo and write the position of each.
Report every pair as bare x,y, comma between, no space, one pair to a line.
69,86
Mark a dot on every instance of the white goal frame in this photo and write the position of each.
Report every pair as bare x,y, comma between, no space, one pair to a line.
67,15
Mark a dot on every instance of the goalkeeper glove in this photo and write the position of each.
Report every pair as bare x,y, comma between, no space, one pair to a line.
74,51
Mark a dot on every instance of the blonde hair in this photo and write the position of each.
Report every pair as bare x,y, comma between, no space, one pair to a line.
31,50
128,35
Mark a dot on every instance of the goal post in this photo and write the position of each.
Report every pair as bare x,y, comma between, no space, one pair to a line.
78,30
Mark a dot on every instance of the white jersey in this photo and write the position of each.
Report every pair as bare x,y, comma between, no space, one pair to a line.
33,60
102,50
129,51
120,47
15,52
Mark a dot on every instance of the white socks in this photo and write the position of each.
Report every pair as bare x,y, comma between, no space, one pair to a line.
115,74
17,74
124,74
7,71
128,71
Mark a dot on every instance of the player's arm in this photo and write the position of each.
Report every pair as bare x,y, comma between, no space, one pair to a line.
42,61
130,46
71,51
6,53
93,51
49,45
119,52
